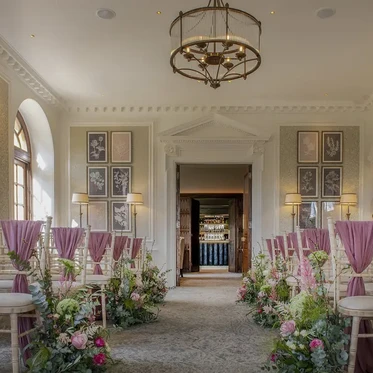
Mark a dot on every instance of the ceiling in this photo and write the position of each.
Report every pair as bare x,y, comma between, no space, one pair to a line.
126,60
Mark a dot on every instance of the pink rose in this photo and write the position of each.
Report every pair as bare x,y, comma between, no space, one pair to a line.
99,359
287,328
316,343
79,340
273,358
135,297
99,342
241,292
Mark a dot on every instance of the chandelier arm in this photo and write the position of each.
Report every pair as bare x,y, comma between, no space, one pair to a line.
205,70
195,71
240,63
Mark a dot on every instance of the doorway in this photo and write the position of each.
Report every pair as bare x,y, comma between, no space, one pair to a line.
213,212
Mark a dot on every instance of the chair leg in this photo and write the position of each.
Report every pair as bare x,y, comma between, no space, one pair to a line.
103,306
14,341
353,345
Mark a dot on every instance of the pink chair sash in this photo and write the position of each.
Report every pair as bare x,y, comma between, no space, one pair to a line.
98,242
294,240
318,239
119,246
269,247
137,242
357,238
281,244
21,237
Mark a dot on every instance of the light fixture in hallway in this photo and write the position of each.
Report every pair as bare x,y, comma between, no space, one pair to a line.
349,199
293,199
80,199
134,199
215,44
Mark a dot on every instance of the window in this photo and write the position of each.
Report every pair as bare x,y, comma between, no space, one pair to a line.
22,170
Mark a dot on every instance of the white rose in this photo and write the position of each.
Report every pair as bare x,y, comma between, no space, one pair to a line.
304,333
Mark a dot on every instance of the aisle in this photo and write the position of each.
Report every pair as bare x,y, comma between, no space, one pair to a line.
200,330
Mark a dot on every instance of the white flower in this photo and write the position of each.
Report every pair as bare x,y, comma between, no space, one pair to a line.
268,309
245,280
266,273
296,333
302,346
272,282
291,345
261,294
304,333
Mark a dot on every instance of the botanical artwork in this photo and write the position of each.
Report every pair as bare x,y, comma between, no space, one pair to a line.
330,209
308,181
332,181
98,216
97,147
308,147
121,147
97,181
120,181
332,147
308,215
120,216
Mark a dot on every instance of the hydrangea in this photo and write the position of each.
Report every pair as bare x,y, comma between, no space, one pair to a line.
67,306
318,258
298,303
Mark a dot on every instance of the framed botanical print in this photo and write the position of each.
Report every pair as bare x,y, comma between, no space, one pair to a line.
332,147
121,216
98,216
308,147
308,215
97,147
121,147
331,182
330,209
97,181
120,181
308,182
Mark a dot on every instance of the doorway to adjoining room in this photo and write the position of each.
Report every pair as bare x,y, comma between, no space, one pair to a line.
213,221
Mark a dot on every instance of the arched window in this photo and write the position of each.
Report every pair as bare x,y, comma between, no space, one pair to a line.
22,170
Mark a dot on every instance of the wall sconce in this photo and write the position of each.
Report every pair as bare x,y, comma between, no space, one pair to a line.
293,199
349,199
80,199
134,199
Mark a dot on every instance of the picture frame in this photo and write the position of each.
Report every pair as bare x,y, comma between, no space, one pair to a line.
98,216
332,146
308,214
308,181
121,216
308,146
332,181
330,209
97,147
97,181
121,147
121,181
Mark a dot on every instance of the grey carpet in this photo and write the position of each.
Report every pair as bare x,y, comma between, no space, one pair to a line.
200,330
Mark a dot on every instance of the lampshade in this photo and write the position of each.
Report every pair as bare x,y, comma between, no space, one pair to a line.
80,199
134,199
349,199
293,199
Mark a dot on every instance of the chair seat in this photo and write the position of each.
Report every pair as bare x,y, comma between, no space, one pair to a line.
6,284
361,306
15,303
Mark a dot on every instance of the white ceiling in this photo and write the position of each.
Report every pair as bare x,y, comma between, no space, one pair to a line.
126,60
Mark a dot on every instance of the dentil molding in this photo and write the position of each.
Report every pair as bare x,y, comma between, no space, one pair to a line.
25,73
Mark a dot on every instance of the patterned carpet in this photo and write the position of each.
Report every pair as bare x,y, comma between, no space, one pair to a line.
200,330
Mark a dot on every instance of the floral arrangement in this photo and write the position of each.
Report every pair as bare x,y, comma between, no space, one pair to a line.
67,339
127,302
312,337
263,288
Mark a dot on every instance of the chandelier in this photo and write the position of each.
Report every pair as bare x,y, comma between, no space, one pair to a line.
215,44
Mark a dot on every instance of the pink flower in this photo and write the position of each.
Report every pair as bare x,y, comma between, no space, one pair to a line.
135,297
100,342
260,310
99,359
287,328
79,340
316,343
307,281
241,292
273,358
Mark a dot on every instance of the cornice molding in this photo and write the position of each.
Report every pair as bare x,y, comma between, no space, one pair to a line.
26,74
257,109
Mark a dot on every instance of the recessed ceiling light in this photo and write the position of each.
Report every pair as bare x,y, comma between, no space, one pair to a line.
105,13
229,81
326,94
325,12
273,12
32,36
159,12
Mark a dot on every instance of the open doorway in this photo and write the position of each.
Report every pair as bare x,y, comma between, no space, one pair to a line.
213,219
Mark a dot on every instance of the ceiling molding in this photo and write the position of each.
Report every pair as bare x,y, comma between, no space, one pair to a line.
27,74
183,109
